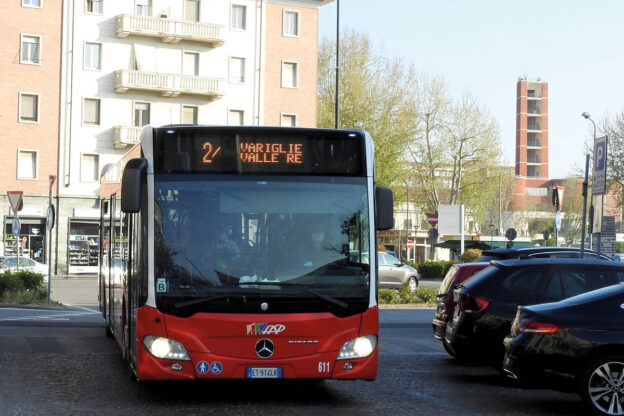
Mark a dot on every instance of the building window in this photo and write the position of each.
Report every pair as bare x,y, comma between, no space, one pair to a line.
94,6
289,74
90,168
93,56
536,191
29,108
235,118
141,114
31,3
143,7
30,49
190,63
290,23
189,114
238,17
27,164
91,112
533,171
191,10
289,120
237,70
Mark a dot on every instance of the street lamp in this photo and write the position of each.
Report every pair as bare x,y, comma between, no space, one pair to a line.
587,116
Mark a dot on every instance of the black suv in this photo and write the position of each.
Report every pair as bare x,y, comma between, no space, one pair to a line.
486,304
537,252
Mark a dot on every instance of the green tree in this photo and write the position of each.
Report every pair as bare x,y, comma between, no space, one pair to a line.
376,94
614,128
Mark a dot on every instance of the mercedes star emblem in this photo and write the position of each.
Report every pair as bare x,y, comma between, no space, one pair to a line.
265,348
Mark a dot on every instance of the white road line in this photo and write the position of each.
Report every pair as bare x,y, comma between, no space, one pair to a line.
84,308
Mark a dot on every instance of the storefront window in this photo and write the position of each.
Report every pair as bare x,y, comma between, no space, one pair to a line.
31,241
83,246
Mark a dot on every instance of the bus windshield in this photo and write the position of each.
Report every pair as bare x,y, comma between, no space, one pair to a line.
228,243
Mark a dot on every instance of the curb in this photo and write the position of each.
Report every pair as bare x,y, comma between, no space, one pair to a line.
408,306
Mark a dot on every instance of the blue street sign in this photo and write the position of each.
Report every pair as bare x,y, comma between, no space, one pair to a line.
558,221
599,173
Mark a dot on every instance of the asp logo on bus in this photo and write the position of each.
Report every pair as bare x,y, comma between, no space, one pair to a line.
264,328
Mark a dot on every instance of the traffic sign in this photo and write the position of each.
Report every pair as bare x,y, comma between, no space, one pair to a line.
410,243
511,234
15,199
16,228
558,221
50,217
599,171
432,219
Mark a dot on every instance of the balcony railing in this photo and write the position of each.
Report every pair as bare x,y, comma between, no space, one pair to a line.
534,160
126,136
168,85
171,31
534,143
533,126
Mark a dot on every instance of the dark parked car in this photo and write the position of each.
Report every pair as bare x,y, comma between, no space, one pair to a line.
456,274
487,303
577,343
394,274
537,252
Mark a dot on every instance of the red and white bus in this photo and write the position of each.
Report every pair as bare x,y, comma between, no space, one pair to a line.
243,252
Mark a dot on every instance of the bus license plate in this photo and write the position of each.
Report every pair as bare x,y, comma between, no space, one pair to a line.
264,372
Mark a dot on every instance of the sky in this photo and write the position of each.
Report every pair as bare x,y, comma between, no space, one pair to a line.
483,46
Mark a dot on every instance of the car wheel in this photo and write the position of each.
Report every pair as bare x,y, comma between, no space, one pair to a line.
602,385
412,283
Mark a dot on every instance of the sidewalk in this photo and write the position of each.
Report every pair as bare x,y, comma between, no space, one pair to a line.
79,290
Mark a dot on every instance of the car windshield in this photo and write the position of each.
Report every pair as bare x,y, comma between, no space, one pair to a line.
224,241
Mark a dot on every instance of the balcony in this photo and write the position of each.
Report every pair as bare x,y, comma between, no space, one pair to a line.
126,136
168,85
168,30
533,125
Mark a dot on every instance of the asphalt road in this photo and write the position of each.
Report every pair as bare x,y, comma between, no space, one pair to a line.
58,362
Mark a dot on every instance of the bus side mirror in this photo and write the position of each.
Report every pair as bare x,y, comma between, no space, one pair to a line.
134,176
384,210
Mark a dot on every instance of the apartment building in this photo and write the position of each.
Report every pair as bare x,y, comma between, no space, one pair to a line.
82,77
126,64
30,94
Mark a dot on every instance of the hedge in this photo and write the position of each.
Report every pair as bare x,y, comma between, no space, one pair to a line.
434,270
20,281
404,295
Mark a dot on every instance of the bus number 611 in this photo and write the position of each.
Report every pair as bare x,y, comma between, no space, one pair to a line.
323,367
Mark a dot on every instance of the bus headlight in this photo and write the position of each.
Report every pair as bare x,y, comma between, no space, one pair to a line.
165,348
358,348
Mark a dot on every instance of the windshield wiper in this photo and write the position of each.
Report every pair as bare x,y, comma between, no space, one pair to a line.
204,300
303,288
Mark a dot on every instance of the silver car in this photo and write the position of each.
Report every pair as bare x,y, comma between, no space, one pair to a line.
394,274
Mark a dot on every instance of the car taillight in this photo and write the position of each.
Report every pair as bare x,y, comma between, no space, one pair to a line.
532,327
473,304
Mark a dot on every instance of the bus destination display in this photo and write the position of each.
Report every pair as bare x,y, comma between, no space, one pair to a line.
185,151
259,153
